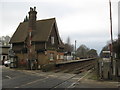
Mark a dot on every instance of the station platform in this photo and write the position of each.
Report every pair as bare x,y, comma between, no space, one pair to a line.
74,61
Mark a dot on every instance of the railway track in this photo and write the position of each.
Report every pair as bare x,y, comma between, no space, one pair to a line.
80,70
71,82
76,67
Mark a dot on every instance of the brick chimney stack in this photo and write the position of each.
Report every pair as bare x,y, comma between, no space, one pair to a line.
32,18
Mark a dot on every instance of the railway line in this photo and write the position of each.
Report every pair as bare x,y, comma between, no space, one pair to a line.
75,67
70,82
80,69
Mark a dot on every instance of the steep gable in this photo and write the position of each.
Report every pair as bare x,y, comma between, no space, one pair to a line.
43,29
57,41
53,34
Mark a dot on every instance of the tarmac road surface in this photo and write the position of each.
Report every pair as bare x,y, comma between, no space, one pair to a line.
37,79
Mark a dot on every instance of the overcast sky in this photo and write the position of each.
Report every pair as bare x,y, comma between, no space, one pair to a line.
86,21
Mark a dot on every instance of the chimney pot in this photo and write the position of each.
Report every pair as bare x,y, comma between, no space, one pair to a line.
31,9
34,8
32,18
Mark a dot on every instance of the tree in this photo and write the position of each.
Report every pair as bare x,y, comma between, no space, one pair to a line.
92,53
68,46
4,40
82,51
68,41
116,47
26,19
7,39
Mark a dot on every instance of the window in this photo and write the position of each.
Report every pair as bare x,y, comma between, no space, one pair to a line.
52,40
51,56
61,57
57,57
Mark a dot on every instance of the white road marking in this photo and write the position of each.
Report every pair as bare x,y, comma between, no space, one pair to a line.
73,84
8,77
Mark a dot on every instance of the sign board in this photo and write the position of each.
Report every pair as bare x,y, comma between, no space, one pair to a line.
106,51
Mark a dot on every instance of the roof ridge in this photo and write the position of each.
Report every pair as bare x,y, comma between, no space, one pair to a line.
46,19
40,20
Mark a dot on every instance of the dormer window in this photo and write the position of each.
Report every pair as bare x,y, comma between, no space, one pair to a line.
52,40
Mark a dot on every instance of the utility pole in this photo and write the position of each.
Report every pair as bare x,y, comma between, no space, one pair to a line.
75,48
111,46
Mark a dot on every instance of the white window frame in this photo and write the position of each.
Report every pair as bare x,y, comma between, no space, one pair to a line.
57,57
51,56
52,40
61,56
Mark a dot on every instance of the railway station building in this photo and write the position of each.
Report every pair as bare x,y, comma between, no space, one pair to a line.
37,42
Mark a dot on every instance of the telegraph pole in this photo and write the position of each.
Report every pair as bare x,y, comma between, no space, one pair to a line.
111,46
75,48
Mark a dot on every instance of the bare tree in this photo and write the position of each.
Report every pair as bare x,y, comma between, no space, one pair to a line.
4,40
68,46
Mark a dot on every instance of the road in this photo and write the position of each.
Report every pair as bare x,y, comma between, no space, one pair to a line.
37,79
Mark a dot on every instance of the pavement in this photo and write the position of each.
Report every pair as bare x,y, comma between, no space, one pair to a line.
12,78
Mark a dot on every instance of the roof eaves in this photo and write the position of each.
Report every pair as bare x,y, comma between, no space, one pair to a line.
11,40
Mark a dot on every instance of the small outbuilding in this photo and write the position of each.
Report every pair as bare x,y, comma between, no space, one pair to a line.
4,53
